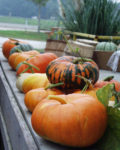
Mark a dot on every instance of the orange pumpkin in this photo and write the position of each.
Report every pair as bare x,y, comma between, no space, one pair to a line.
8,45
100,84
33,97
76,120
17,58
37,64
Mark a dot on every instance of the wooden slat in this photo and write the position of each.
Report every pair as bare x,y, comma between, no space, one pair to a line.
18,131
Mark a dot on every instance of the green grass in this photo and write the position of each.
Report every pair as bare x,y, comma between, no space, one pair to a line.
24,35
45,24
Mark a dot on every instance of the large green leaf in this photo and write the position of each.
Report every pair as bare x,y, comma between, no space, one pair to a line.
111,138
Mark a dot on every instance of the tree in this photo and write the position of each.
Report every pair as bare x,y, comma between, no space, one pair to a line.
39,3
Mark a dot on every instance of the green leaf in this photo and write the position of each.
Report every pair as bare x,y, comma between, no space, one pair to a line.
105,93
111,138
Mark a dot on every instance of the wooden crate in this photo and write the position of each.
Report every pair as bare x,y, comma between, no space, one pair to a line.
55,46
101,58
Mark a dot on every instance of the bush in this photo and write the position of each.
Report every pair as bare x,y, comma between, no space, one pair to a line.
99,17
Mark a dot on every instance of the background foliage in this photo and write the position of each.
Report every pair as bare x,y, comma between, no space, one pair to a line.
99,17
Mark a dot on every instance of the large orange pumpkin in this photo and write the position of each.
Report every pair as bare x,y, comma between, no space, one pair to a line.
76,120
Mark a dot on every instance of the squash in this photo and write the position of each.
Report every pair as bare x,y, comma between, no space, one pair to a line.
66,69
106,46
76,120
33,97
30,81
20,80
37,64
21,47
8,45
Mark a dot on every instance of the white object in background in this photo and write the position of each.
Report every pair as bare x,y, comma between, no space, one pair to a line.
114,60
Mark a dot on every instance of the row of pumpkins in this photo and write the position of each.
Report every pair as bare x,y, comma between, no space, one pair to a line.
63,111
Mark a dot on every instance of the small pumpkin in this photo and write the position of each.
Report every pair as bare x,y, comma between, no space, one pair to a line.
29,81
33,97
66,69
17,58
21,47
76,120
8,45
106,46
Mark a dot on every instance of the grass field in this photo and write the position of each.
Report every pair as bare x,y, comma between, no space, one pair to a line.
45,24
24,35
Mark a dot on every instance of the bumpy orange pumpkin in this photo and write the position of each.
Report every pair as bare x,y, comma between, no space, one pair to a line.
33,97
66,69
76,120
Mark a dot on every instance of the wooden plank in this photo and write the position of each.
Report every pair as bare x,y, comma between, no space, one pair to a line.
4,133
18,131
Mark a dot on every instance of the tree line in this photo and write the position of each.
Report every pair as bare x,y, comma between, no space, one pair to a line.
26,8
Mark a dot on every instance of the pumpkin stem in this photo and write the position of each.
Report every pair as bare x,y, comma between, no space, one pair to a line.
16,41
109,78
57,98
81,60
18,50
30,66
53,85
87,85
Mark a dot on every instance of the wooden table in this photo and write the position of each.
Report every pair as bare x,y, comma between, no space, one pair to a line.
15,119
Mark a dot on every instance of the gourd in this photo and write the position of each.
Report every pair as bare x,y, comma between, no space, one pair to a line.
66,69
76,120
21,47
29,81
106,46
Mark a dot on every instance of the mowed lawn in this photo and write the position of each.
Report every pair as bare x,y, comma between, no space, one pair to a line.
24,35
44,23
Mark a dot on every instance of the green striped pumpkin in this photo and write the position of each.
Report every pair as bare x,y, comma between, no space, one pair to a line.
21,47
106,46
64,69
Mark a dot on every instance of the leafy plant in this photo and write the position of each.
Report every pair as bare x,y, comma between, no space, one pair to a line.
99,17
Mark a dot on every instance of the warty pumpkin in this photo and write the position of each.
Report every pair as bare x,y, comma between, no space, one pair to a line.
66,69
76,120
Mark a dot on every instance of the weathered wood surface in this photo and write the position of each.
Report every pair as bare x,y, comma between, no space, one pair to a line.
18,131
18,118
